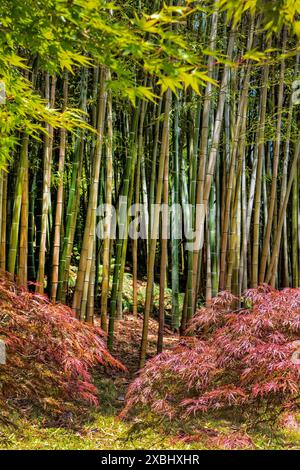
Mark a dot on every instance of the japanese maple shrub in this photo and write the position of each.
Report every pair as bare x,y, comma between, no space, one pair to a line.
240,362
50,354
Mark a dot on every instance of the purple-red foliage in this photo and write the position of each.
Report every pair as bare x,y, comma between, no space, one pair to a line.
213,439
239,362
50,354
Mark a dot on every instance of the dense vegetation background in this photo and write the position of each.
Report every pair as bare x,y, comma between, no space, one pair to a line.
190,103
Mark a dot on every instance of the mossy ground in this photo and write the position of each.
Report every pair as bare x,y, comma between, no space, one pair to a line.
105,433
103,430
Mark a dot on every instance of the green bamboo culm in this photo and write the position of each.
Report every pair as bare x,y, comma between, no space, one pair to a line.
15,223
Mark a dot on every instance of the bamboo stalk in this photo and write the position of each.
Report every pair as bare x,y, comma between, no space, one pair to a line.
153,241
60,199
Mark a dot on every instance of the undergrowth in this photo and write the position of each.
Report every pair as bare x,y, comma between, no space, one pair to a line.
238,366
50,355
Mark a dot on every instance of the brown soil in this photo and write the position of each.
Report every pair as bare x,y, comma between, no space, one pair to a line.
127,340
128,335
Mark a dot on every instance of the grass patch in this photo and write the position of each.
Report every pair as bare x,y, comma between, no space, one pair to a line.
103,430
109,433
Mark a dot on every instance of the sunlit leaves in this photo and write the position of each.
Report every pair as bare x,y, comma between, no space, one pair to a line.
68,60
259,56
185,77
66,35
14,60
275,13
147,25
26,111
141,92
168,82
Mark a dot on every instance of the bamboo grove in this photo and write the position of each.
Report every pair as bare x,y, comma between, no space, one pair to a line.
217,128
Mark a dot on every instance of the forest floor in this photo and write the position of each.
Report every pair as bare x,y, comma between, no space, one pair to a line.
103,430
